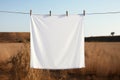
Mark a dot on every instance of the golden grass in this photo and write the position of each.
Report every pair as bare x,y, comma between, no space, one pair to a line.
102,63
8,49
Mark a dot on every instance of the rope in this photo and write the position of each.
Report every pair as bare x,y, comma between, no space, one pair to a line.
14,12
85,13
103,13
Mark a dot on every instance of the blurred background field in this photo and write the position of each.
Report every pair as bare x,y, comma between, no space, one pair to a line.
101,57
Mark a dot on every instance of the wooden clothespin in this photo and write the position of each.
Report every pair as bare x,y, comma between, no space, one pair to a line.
66,13
30,12
50,13
83,12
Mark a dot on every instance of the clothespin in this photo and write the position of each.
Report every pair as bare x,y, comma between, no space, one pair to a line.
30,12
50,13
66,13
83,12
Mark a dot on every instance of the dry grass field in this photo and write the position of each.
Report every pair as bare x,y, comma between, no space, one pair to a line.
10,37
102,63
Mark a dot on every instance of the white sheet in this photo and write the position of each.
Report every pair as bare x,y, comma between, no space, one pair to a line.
57,42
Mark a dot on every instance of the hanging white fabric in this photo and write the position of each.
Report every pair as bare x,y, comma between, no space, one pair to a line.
57,42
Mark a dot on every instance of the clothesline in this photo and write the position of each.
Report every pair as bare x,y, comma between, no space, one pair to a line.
103,13
15,12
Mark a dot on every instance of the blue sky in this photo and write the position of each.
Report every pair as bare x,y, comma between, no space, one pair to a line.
95,25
